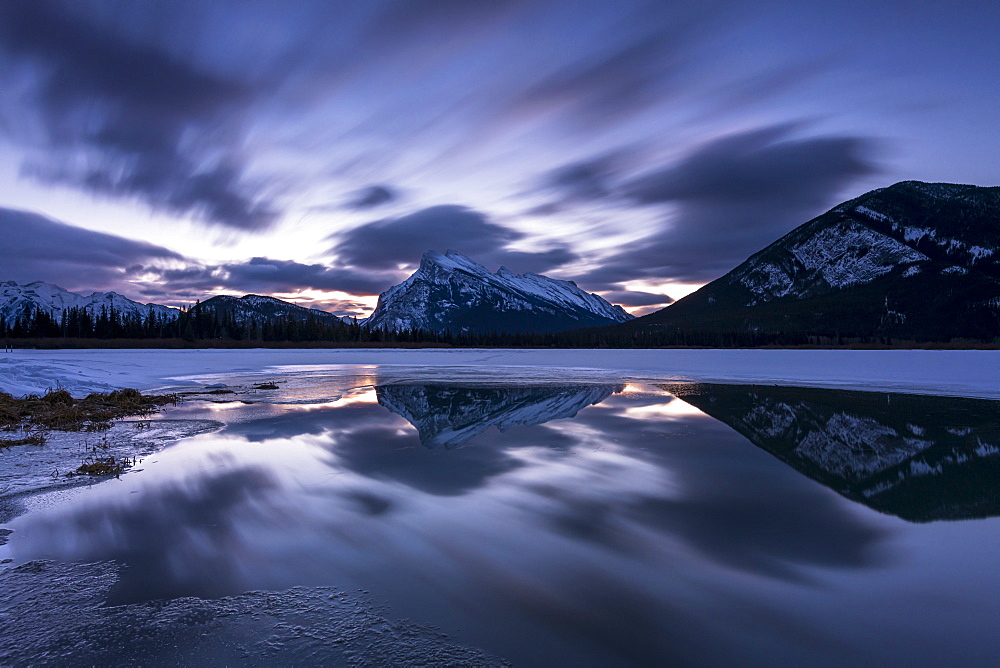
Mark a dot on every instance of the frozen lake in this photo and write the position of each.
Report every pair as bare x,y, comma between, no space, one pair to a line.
398,514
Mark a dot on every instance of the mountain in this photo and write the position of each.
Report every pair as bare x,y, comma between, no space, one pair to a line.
52,299
451,293
921,458
914,260
262,309
448,416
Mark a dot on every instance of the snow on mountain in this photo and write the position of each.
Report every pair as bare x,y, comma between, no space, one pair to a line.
828,257
16,298
451,292
448,416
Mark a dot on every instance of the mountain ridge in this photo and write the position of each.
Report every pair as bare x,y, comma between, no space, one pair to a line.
263,307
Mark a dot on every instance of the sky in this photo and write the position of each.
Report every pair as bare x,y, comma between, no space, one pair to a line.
171,149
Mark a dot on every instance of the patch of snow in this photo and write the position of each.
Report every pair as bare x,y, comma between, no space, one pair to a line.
980,252
920,467
912,233
986,449
874,215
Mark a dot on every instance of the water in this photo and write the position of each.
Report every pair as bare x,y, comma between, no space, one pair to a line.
386,517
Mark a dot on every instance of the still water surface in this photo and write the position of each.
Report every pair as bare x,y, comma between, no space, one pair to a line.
575,522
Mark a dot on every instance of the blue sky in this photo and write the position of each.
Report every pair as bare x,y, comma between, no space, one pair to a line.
314,150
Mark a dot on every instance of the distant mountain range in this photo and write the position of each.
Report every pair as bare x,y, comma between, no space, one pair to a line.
15,299
452,293
914,260
448,293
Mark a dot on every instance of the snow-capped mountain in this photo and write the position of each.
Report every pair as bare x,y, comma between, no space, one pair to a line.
261,309
915,260
452,293
921,458
39,296
448,416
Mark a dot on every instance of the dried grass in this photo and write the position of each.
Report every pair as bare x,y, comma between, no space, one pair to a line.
58,410
103,466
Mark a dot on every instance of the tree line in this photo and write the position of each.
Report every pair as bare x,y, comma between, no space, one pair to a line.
203,325
194,324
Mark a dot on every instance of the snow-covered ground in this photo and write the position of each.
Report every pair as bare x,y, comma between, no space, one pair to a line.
973,373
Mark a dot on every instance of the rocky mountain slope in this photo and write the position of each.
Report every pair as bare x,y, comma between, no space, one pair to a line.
39,296
452,293
914,260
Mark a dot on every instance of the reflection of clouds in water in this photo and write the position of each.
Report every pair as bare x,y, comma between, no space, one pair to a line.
382,452
735,506
562,527
196,521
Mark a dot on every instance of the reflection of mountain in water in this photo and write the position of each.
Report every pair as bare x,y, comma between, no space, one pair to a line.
918,457
450,415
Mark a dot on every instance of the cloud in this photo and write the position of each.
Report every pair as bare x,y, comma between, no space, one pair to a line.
583,180
371,197
127,120
394,242
733,196
265,276
36,248
406,20
616,79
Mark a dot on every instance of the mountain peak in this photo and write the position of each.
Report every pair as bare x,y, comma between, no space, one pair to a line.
450,260
452,292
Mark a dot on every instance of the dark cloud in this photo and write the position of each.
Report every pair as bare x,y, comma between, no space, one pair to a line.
406,20
393,242
36,248
122,119
636,298
371,197
263,275
758,166
584,180
733,196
